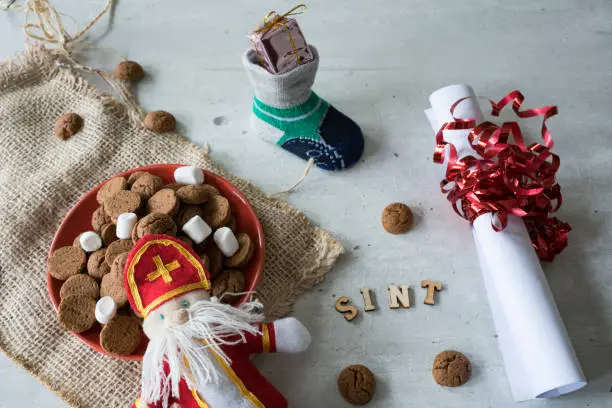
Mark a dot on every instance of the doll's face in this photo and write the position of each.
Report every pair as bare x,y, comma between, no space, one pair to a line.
173,312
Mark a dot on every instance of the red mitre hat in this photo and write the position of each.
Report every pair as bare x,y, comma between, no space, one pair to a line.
159,268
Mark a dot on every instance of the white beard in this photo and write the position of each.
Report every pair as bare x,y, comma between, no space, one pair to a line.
211,325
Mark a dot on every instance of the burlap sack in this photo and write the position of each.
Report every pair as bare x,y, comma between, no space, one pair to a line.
41,178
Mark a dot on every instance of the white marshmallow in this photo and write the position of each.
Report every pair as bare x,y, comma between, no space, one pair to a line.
90,241
106,309
197,229
189,175
125,224
226,241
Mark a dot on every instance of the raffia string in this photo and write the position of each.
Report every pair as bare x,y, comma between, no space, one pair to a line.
50,23
48,28
309,166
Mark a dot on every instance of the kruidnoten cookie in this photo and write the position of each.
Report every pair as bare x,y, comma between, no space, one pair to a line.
112,285
154,223
244,253
77,313
96,264
135,176
397,218
160,121
68,125
108,233
451,369
217,211
215,260
99,218
66,261
118,247
80,285
147,185
165,201
110,188
357,384
123,202
121,335
193,194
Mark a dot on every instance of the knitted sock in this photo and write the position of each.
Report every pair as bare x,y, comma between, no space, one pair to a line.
288,113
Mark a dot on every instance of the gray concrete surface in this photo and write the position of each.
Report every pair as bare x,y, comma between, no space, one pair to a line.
379,62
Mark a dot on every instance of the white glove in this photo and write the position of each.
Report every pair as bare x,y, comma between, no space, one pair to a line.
291,335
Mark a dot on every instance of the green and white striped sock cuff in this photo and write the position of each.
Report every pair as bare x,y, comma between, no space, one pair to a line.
274,115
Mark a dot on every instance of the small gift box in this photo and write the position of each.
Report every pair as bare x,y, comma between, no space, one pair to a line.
279,42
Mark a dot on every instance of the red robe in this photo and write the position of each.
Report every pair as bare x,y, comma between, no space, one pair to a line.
251,384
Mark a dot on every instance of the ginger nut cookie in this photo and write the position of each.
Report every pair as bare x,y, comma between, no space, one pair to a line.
77,241
66,261
115,248
119,263
217,211
123,202
160,121
110,188
81,285
135,176
212,190
147,185
96,264
68,125
99,218
129,71
397,218
112,285
77,313
121,335
244,253
357,384
108,232
165,201
215,260
154,223
193,194
451,369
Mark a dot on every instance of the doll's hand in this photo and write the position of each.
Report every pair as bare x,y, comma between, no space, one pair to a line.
291,335
175,405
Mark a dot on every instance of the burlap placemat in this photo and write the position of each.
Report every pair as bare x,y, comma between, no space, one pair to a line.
41,178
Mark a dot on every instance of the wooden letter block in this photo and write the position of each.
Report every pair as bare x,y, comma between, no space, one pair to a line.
399,297
432,287
368,305
343,305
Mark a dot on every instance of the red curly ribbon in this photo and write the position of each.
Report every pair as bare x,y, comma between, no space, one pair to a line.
508,177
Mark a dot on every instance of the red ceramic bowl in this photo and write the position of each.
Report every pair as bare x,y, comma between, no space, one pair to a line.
78,220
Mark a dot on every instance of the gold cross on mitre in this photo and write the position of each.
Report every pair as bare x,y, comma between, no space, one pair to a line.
162,270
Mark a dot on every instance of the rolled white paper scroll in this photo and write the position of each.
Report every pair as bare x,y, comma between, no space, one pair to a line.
538,355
